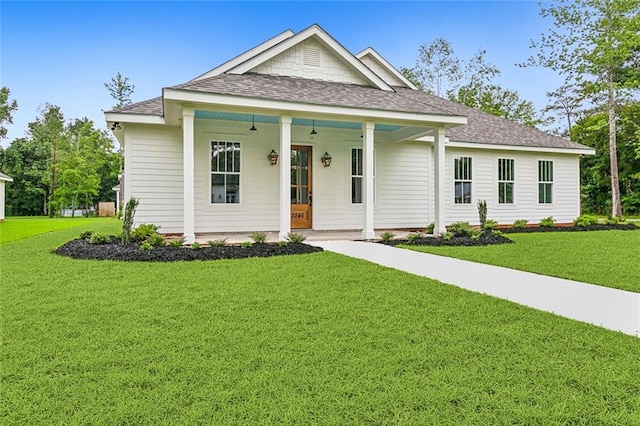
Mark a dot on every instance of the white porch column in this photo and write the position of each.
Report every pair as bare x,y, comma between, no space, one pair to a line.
367,181
188,174
285,176
440,190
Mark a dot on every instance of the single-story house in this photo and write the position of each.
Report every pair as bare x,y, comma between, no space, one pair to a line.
298,132
3,178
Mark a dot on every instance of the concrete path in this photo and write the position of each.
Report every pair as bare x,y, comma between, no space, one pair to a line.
606,307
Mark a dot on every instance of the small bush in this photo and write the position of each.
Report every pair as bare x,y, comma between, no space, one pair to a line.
460,229
294,237
611,220
282,243
144,231
259,237
490,224
156,240
413,237
97,238
246,244
430,228
482,212
195,245
387,236
218,243
146,246
585,220
176,243
520,223
476,234
447,236
86,235
548,222
496,233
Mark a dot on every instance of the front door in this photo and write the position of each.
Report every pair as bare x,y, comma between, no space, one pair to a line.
300,187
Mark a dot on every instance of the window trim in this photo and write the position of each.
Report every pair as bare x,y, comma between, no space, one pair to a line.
210,140
469,180
551,182
351,176
512,181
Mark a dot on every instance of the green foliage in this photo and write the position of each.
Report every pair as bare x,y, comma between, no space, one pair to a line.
120,90
294,237
97,238
490,224
447,236
144,231
7,108
217,243
413,237
282,243
387,236
156,240
246,244
585,220
195,245
476,234
460,229
520,223
259,237
430,228
86,235
496,233
146,246
178,242
127,220
482,212
548,222
611,220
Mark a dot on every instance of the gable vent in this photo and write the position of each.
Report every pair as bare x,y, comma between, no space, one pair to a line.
311,56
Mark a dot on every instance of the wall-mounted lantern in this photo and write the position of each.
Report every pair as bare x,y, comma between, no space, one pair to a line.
326,159
273,157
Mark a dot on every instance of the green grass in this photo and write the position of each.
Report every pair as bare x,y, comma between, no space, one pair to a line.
607,258
314,339
17,228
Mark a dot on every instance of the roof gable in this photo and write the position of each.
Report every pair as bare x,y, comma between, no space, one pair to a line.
384,69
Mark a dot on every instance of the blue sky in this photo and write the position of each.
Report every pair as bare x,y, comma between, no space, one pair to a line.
63,52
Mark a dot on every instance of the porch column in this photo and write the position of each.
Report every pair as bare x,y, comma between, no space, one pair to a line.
440,191
188,175
367,181
285,177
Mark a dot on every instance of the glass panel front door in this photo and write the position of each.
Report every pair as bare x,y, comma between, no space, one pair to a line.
301,195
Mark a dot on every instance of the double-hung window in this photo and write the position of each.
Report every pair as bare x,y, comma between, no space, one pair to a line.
506,180
462,180
545,182
225,172
357,175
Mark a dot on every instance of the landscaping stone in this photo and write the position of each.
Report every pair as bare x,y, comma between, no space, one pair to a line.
82,249
487,238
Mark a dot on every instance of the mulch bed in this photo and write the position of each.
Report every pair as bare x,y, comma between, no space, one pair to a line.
487,238
82,249
597,227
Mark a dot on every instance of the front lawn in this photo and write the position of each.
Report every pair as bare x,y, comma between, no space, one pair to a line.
318,338
16,228
607,258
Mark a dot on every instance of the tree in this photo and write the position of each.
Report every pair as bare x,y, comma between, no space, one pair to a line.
6,110
120,90
565,103
589,42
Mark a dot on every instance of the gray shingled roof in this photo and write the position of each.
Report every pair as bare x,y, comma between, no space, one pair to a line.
481,127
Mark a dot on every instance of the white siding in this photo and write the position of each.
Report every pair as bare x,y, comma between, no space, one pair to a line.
290,63
154,170
381,71
2,200
566,187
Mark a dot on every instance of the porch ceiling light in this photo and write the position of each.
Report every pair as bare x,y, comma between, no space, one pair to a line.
273,157
253,130
326,159
313,133
115,125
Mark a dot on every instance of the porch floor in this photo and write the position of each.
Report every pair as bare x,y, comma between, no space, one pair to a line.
349,235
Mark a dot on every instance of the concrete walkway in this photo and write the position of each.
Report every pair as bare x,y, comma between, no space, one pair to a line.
606,307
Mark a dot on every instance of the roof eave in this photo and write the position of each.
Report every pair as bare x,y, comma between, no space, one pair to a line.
493,146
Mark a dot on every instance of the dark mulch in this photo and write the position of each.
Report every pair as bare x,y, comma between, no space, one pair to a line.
82,249
487,238
598,227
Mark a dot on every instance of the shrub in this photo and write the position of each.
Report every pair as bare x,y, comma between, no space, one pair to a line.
177,242
482,212
97,238
127,221
611,220
430,228
146,246
548,222
413,237
217,243
460,229
195,245
246,244
282,243
520,223
447,236
294,237
86,235
144,231
259,237
476,234
490,224
156,240
387,236
496,233
585,220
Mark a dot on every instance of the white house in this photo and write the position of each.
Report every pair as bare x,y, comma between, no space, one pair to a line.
3,178
358,147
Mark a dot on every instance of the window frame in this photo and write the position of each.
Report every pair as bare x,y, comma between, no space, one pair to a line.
503,180
546,178
220,140
352,176
466,178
